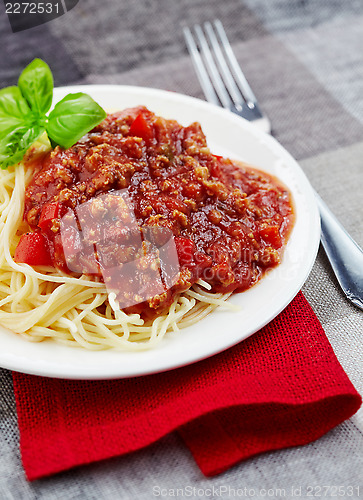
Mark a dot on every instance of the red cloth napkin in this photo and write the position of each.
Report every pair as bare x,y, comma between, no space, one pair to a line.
281,387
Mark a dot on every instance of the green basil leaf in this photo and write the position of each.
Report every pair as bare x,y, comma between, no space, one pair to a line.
13,109
72,118
15,143
36,85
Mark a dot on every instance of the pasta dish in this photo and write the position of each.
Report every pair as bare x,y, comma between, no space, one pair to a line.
136,230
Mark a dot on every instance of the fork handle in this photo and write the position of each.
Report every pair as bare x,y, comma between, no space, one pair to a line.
344,254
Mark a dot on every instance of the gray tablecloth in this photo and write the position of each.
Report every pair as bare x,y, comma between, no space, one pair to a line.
304,60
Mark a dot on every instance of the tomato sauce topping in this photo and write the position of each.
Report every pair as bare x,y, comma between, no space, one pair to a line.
230,222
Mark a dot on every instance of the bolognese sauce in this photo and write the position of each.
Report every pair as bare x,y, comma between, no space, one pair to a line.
230,222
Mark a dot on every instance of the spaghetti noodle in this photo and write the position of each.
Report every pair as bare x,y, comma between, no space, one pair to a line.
49,302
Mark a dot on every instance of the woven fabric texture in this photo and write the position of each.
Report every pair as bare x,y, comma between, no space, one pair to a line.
282,387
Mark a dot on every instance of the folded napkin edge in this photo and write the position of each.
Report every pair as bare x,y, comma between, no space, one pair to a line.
202,438
122,433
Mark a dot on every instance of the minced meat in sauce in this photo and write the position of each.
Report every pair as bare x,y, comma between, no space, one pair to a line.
230,222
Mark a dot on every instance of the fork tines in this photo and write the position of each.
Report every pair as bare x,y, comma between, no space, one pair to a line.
219,73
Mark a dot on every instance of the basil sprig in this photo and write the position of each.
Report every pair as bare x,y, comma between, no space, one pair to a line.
23,114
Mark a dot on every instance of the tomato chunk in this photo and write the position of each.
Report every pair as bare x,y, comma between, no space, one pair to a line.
33,249
141,128
49,212
271,235
185,249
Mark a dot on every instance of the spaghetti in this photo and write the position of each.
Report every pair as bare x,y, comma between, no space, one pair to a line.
49,302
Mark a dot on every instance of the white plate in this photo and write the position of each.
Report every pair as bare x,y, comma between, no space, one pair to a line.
229,135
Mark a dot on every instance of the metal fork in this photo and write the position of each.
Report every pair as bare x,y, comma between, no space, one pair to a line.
228,87
220,75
